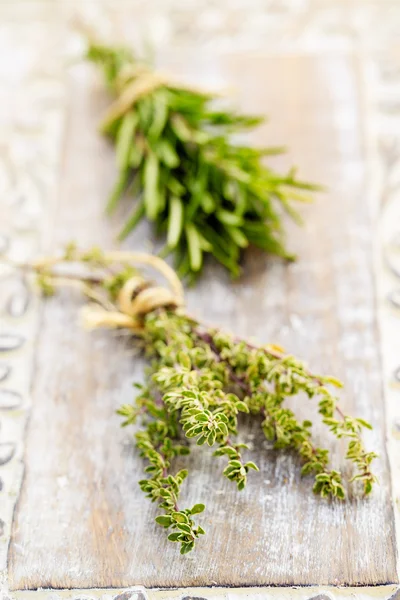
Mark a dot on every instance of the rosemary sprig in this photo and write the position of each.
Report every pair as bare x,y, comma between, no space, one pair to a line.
200,380
175,154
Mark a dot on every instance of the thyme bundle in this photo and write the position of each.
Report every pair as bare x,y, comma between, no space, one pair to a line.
175,154
199,382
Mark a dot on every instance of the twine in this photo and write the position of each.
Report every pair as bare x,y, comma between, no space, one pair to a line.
137,81
137,297
141,86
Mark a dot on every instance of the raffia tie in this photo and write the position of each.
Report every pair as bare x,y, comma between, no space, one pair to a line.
138,296
137,81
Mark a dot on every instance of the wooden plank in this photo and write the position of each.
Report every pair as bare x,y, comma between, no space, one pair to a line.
81,520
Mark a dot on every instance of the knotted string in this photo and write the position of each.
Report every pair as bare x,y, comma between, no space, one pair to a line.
135,81
144,83
137,297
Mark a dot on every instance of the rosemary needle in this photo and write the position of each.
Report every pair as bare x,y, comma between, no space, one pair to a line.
208,194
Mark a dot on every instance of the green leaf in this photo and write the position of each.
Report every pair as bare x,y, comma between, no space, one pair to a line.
204,243
266,241
184,360
185,548
160,115
235,464
175,186
333,381
194,245
183,473
180,128
237,236
164,521
367,487
179,517
241,484
207,203
340,493
165,493
136,154
211,438
197,508
202,440
135,218
145,109
225,450
118,190
223,429
125,139
174,537
323,478
175,221
229,218
251,465
151,194
364,423
184,528
167,153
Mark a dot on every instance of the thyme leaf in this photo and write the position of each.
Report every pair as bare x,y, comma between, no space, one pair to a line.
200,381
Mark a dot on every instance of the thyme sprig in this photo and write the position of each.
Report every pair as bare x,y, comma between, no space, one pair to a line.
175,154
199,383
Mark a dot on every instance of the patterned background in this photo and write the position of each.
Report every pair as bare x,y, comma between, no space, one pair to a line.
37,42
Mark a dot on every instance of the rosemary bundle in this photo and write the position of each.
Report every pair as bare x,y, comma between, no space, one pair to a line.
175,155
199,382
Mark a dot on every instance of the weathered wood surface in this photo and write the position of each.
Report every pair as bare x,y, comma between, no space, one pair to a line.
81,520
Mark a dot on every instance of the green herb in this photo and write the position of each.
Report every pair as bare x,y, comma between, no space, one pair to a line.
208,194
199,383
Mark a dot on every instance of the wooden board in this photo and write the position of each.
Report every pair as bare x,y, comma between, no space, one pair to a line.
81,520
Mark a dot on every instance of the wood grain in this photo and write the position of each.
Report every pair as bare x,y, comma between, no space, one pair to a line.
81,520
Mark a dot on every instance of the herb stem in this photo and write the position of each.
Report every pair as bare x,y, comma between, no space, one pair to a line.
214,196
189,388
